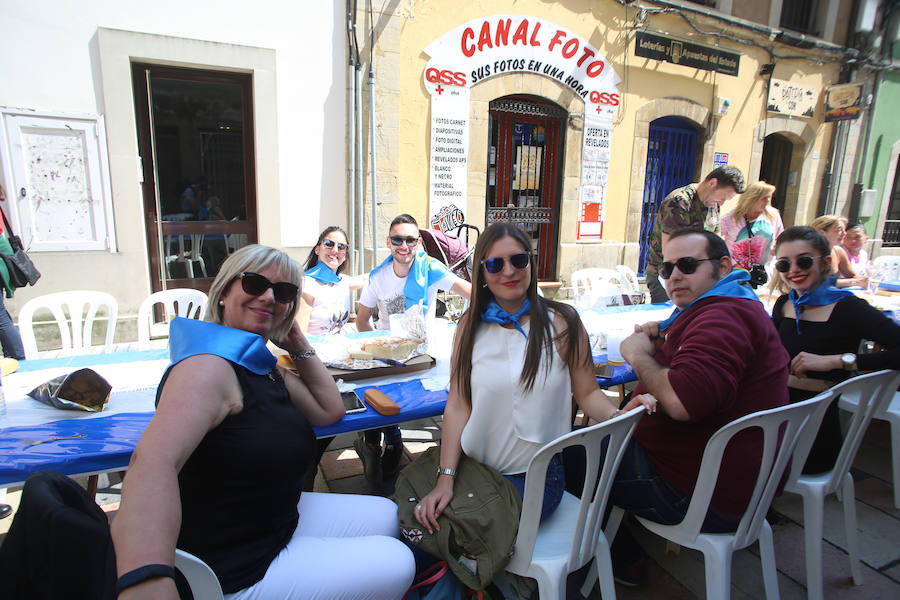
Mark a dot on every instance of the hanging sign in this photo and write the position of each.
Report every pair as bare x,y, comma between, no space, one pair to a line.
500,45
685,53
843,102
788,98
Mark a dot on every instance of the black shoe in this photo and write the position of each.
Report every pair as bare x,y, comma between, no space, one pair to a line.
390,460
371,459
5,510
634,574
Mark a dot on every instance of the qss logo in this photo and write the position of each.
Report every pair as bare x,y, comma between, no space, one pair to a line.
445,76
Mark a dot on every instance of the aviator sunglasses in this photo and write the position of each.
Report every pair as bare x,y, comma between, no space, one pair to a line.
398,240
256,285
685,264
495,265
783,265
331,243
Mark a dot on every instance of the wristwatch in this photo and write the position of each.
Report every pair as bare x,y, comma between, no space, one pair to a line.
446,471
848,361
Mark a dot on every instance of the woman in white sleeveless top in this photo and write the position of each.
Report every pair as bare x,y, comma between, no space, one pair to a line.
325,301
517,361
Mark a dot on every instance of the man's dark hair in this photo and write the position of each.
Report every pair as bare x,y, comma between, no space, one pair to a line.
404,218
715,245
727,176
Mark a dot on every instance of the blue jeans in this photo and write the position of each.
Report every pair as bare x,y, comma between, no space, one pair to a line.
9,335
554,485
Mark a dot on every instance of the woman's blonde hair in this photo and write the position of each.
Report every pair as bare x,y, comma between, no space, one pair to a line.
748,200
826,222
255,258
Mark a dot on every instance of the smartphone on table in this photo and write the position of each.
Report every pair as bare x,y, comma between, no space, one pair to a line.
352,403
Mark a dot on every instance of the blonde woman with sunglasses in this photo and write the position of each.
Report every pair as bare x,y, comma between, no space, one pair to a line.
218,472
325,301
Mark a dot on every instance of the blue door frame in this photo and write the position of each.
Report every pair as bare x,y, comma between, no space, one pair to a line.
671,153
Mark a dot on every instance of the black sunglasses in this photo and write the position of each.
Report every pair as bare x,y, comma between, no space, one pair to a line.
783,265
256,285
685,264
495,265
331,243
398,240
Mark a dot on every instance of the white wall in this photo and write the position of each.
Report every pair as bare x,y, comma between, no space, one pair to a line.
50,64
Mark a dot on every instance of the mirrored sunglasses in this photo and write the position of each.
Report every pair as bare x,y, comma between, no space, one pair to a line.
783,265
331,243
495,265
398,240
685,264
256,285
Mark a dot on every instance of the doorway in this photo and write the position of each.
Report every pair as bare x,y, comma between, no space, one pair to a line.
671,160
775,166
195,139
524,172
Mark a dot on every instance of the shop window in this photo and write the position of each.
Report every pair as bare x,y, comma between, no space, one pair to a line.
58,181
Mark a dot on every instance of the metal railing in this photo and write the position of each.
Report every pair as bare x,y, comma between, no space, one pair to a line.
522,215
891,235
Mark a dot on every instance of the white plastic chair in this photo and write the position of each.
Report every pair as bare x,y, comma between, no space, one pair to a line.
891,414
871,393
188,257
78,307
201,579
890,265
717,548
573,535
177,302
595,286
632,280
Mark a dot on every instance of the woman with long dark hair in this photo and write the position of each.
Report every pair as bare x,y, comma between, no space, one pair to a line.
517,360
325,301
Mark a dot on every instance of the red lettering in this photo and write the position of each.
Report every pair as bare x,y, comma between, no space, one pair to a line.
588,53
570,48
556,39
445,76
470,49
533,41
604,98
432,75
521,34
595,68
459,79
501,37
484,38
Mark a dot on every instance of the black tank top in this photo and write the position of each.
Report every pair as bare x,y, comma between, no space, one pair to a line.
240,487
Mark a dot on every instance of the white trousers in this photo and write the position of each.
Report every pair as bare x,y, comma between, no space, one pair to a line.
345,546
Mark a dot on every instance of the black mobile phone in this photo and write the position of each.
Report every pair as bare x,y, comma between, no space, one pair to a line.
352,403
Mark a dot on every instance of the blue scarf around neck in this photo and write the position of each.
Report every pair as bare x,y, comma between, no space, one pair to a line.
821,295
733,285
424,272
322,273
495,314
190,337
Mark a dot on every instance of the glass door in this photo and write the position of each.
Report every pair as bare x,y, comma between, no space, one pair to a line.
195,138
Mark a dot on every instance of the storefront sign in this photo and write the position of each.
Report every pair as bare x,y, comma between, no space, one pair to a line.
688,54
500,45
720,159
594,176
843,102
788,98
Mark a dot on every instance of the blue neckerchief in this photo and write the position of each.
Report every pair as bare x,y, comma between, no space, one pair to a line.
495,314
321,273
189,337
733,285
423,272
822,294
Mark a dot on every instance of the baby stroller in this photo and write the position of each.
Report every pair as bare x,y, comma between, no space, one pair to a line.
453,250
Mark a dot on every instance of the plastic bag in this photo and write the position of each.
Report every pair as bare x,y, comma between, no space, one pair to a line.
83,389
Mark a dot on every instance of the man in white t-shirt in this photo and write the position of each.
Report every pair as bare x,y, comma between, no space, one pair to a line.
407,277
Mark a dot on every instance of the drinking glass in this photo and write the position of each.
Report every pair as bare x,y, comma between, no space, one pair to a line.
876,276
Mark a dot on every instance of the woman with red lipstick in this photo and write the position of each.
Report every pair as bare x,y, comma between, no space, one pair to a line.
822,327
218,472
325,301
517,360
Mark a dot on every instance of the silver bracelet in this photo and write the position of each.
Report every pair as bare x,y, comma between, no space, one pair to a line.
302,355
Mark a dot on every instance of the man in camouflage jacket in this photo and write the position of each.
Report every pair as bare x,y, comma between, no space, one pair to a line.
695,205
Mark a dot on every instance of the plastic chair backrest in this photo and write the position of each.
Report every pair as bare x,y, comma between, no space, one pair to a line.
202,580
592,505
891,266
177,302
591,284
776,451
871,393
74,312
630,277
